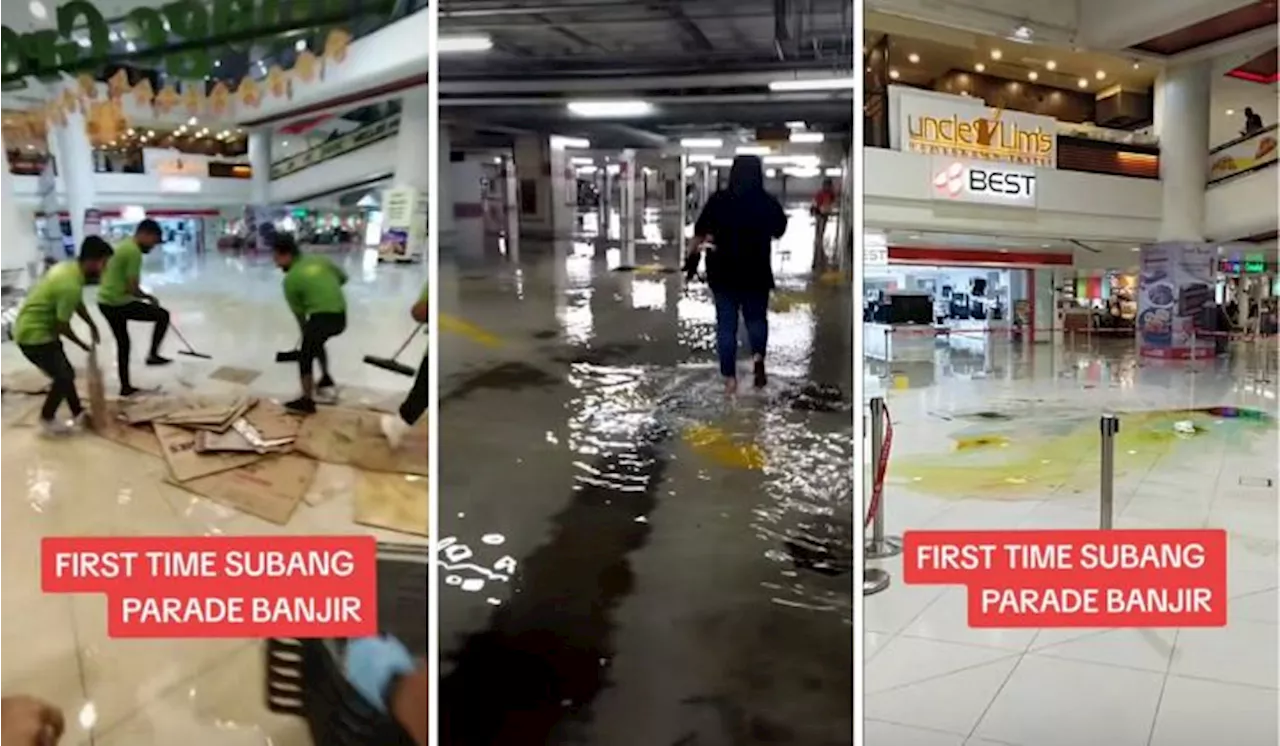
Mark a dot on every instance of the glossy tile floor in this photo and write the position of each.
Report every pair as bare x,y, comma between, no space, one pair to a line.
617,570
194,692
1011,441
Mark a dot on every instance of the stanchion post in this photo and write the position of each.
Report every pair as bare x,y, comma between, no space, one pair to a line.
1110,426
879,546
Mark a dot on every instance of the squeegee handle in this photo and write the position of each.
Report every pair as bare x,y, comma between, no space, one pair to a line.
407,341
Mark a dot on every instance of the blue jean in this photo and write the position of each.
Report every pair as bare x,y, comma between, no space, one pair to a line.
754,307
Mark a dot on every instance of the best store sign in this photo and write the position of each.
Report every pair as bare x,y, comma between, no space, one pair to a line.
983,183
962,127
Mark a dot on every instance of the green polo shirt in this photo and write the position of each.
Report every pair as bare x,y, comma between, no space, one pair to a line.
124,266
314,285
52,302
426,291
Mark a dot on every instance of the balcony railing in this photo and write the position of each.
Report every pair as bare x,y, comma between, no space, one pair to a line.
1243,155
351,141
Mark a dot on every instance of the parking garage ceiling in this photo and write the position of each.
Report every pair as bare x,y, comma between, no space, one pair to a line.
705,66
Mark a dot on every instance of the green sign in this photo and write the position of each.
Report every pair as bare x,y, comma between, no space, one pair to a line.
184,36
1255,264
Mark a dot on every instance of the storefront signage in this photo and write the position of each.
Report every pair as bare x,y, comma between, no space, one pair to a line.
173,163
184,37
941,124
983,183
1243,156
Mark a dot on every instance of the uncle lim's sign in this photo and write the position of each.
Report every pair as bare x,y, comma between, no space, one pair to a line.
956,126
185,36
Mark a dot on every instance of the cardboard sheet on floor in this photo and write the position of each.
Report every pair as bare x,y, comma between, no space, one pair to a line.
269,489
230,374
397,502
186,463
138,437
273,421
353,436
144,410
205,414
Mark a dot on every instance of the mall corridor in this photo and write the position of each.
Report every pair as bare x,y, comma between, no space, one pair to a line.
617,531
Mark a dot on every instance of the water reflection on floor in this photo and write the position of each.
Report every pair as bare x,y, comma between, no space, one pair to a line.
653,598
1011,439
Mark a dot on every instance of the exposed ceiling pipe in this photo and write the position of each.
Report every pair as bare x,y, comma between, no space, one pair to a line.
688,99
529,9
780,34
617,81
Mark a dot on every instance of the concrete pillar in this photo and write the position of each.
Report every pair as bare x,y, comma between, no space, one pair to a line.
445,229
260,166
466,178
413,168
74,156
670,192
511,208
1182,124
627,200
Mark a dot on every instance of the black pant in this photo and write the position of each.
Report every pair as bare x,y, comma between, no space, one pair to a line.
118,318
51,359
316,330
416,402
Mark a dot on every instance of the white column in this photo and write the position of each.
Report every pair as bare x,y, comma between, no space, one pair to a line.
466,203
627,203
74,156
1182,124
21,248
260,167
412,162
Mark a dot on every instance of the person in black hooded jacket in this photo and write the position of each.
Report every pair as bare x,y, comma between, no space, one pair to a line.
737,228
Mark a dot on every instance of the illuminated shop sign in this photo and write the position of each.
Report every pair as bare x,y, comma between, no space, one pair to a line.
961,127
981,183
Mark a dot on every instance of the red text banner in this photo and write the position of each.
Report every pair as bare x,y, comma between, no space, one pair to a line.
1078,578
226,586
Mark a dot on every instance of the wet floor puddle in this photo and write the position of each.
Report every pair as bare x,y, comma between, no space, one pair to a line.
1056,454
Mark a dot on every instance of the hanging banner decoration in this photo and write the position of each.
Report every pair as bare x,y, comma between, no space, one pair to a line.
105,122
167,99
71,102
277,82
118,84
193,98
219,99
249,93
307,66
181,35
143,94
88,87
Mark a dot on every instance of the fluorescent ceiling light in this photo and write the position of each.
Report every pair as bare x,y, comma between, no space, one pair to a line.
796,125
701,158
613,169
833,172
690,172
807,137
464,43
803,173
38,11
722,162
701,142
560,143
300,45
587,169
813,84
608,109
771,173
581,161
753,150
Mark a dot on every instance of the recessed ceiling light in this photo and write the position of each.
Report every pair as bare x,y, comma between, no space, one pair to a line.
38,10
913,58
300,45
192,121
1137,248
1100,75
996,54
1083,83
1033,75
130,47
1231,112
1051,65
1023,32
894,74
979,67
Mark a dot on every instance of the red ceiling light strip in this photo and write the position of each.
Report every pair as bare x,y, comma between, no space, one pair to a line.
1254,77
957,257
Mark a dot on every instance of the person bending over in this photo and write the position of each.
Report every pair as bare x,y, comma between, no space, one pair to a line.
313,288
394,427
27,721
122,299
386,675
45,317
740,224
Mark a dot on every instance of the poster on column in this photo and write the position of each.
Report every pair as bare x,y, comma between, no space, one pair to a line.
1175,301
92,222
399,219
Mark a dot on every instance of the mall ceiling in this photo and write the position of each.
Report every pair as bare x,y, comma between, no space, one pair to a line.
704,65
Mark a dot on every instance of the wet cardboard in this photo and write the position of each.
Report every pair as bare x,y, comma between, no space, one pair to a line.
397,502
273,421
270,489
353,436
178,446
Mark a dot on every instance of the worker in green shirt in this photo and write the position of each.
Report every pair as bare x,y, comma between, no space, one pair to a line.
121,300
313,288
394,426
45,317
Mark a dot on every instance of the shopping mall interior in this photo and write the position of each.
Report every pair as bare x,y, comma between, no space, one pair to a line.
1115,256
651,518
311,130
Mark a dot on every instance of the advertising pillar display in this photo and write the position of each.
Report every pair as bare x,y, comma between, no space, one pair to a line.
1176,310
402,230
